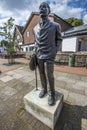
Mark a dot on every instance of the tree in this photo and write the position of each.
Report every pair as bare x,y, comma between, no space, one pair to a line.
4,42
74,21
8,33
0,44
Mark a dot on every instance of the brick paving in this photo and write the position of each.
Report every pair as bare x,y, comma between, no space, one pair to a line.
61,68
17,81
73,70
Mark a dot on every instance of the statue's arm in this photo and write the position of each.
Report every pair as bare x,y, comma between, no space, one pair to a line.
35,43
58,38
35,48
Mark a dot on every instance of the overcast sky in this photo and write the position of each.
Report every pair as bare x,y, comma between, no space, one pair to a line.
20,10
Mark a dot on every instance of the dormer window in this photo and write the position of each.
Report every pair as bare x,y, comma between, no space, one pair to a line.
27,34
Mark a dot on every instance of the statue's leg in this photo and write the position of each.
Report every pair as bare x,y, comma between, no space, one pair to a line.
50,75
41,68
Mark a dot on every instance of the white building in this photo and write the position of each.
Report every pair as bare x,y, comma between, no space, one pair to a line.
75,39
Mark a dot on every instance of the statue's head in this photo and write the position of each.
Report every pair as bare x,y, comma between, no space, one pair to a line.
44,9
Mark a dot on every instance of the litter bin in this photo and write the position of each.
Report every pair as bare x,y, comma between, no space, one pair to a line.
71,60
86,63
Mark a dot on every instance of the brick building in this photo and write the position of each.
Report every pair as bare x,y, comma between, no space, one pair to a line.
24,35
18,36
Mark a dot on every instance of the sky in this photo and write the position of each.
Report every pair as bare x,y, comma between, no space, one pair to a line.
20,10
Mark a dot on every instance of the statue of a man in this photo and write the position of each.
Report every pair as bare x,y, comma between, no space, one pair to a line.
47,43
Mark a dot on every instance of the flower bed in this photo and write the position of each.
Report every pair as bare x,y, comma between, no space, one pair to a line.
14,55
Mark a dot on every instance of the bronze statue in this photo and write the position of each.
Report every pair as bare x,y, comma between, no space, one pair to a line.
47,43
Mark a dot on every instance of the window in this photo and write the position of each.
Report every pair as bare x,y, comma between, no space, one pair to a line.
21,49
27,34
31,48
18,37
26,48
79,46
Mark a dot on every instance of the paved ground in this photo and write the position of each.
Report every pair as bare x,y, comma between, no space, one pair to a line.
20,61
18,81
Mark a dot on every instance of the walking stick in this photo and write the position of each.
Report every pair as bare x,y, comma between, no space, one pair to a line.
36,74
33,66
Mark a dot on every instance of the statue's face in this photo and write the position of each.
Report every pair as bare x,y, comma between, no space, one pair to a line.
44,10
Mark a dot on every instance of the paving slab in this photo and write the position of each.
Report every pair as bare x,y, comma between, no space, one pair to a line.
60,83
63,91
78,88
19,85
84,78
27,127
11,72
84,124
17,76
7,92
22,72
27,79
11,122
33,83
3,108
6,78
81,83
86,91
65,79
2,84
77,99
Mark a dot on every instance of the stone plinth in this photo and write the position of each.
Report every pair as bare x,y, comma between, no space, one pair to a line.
40,109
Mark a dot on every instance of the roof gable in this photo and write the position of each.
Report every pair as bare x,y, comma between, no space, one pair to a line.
29,19
36,13
19,28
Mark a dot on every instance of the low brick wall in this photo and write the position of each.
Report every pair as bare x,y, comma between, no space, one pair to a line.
80,60
63,58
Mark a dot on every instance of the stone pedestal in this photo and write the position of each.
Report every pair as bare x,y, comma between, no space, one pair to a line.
40,109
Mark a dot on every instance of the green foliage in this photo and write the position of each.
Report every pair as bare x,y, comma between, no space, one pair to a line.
8,33
10,48
4,42
74,21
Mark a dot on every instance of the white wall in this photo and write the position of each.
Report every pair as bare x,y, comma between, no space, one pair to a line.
28,47
69,44
20,43
24,48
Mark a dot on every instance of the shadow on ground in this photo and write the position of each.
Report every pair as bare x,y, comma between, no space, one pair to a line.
71,117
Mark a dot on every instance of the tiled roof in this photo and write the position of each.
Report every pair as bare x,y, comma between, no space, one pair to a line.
20,28
76,31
